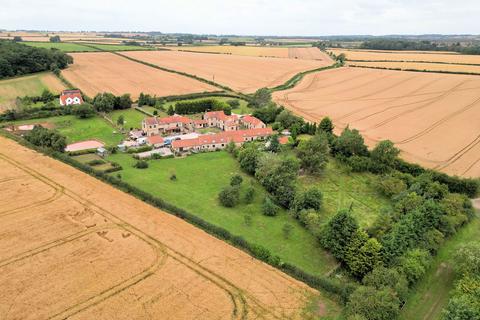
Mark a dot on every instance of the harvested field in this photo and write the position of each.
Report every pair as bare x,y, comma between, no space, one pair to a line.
241,73
460,68
432,118
101,72
73,247
253,51
429,56
30,85
308,54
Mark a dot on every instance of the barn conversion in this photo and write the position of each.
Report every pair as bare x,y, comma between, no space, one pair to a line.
71,97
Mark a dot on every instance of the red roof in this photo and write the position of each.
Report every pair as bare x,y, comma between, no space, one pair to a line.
223,137
283,140
175,119
252,120
71,97
216,114
151,121
155,140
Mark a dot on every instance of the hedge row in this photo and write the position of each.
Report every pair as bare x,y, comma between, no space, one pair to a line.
257,251
469,187
410,61
417,70
191,96
292,82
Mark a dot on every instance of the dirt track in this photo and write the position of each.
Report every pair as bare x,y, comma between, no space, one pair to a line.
241,73
433,118
106,72
73,247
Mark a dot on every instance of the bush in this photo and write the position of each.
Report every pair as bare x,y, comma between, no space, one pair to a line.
229,196
96,162
374,304
269,208
249,195
141,164
350,143
391,186
84,111
309,199
236,180
46,138
233,103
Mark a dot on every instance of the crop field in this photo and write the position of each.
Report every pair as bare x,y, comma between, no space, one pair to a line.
63,46
241,73
254,51
101,72
418,56
456,68
30,85
80,249
308,54
431,117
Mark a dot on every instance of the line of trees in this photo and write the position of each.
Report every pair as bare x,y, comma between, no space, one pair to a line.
107,102
390,44
18,59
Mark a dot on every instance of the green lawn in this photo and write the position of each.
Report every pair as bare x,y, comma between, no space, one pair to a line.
342,190
81,129
133,118
431,294
199,180
63,46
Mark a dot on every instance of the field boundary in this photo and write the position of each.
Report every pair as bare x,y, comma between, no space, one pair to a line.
339,292
416,61
417,70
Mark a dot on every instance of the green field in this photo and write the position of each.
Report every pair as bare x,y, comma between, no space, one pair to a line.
132,117
201,177
81,129
31,85
118,47
63,46
431,294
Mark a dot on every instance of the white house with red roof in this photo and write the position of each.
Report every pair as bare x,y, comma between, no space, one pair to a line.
71,97
250,122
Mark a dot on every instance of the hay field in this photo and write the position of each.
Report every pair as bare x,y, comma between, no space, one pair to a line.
107,72
76,248
30,85
418,56
241,73
460,68
308,54
432,118
253,51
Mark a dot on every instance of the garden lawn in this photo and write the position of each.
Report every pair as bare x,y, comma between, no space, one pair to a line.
75,129
63,46
431,294
199,180
342,189
133,118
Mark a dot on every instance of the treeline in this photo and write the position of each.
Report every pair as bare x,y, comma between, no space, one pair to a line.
17,59
389,44
200,106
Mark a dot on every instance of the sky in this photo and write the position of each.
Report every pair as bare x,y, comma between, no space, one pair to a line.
246,17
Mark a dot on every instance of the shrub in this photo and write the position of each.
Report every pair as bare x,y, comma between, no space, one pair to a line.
374,304
391,186
84,111
233,103
46,138
269,208
249,195
229,196
287,230
141,164
309,199
236,180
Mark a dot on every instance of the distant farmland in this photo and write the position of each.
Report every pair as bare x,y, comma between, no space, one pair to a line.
241,73
107,72
30,85
432,118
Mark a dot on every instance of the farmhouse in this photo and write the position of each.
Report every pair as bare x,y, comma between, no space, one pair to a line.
71,97
174,124
251,122
156,141
218,119
212,142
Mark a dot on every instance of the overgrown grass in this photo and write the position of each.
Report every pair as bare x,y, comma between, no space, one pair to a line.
242,109
132,117
431,294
